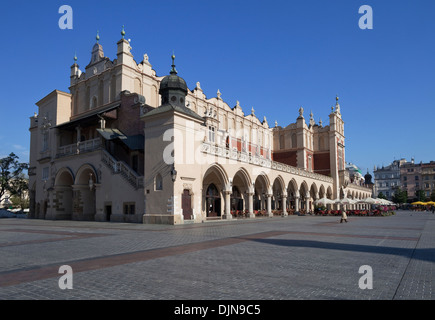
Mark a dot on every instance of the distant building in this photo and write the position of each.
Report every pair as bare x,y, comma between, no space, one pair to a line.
387,179
418,176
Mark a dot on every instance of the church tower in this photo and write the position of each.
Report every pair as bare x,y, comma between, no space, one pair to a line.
337,148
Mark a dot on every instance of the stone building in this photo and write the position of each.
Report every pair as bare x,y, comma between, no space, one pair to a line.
418,177
125,144
387,178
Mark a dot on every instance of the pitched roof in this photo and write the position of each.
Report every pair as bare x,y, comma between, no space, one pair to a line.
169,107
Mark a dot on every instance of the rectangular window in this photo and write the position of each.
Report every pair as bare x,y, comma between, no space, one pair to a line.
45,173
211,134
45,141
129,208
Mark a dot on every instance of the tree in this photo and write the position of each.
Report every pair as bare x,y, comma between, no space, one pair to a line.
12,180
381,195
420,196
400,196
432,195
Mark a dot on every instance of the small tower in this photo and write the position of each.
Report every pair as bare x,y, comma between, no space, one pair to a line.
173,88
97,51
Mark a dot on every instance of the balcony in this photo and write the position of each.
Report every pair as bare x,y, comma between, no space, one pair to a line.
260,161
79,148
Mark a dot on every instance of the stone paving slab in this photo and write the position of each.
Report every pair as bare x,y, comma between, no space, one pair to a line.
280,258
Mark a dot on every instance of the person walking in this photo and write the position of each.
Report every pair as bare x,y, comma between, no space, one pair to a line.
343,216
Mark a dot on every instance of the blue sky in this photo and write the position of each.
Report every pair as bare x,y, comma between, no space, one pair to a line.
274,56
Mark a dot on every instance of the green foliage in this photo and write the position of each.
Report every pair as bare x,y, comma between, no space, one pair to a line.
12,179
381,196
400,196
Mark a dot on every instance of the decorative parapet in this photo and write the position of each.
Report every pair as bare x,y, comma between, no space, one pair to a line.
78,148
260,161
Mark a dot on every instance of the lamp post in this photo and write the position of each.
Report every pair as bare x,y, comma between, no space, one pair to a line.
173,173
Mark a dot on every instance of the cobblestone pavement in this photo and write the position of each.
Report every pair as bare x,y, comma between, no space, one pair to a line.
280,258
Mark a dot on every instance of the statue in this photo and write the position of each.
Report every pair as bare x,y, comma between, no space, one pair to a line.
301,112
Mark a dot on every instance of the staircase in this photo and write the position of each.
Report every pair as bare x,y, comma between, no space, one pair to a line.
120,167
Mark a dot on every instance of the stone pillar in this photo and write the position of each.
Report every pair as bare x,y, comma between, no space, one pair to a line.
284,204
297,204
251,205
269,205
227,214
307,203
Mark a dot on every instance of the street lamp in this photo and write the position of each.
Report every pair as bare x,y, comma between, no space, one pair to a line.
173,173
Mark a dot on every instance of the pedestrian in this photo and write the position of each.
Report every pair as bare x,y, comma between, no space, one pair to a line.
433,209
343,216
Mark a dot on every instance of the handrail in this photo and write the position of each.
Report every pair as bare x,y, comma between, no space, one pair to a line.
120,167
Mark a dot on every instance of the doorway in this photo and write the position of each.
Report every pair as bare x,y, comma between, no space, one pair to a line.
186,205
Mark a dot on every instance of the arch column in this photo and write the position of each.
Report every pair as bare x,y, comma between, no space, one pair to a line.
269,205
284,202
227,213
251,204
297,202
307,202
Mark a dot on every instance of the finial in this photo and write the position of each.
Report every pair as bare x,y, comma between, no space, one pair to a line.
173,70
98,36
252,111
219,94
336,98
122,32
75,57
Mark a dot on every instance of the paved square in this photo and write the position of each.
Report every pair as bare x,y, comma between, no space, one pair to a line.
288,258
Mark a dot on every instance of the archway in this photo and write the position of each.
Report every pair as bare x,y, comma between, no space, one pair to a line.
262,197
241,193
278,194
213,201
63,193
84,206
293,195
304,197
213,184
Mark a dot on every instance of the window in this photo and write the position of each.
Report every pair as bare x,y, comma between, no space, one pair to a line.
211,134
129,208
45,140
45,173
405,178
281,141
416,178
158,183
294,142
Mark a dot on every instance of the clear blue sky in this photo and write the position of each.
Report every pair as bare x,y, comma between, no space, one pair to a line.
275,56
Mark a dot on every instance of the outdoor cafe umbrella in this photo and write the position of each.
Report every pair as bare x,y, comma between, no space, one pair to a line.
419,203
324,201
371,201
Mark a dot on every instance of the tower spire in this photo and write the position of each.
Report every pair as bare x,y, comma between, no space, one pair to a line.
173,70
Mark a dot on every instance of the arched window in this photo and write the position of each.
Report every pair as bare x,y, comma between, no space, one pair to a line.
294,141
113,88
158,183
101,92
88,97
94,102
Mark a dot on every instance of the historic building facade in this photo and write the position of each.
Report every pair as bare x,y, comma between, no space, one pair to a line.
127,145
